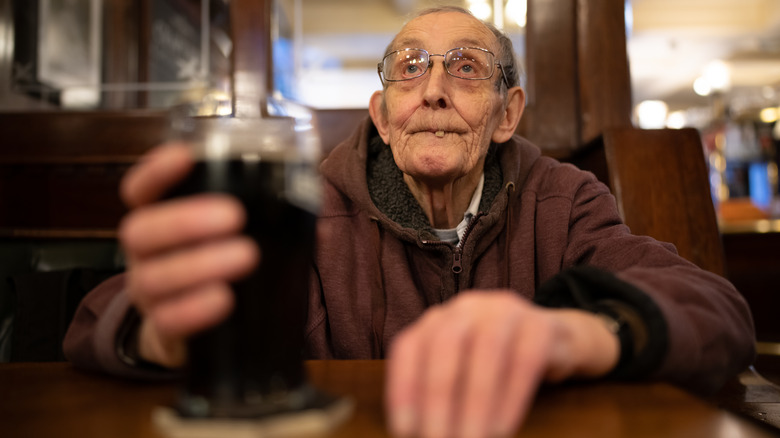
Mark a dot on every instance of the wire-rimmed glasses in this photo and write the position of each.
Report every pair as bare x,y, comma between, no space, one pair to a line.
471,63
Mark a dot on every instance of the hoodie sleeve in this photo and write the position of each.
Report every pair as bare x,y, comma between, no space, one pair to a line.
699,328
638,321
104,322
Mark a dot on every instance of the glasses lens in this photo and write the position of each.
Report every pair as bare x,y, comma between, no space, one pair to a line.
469,63
405,64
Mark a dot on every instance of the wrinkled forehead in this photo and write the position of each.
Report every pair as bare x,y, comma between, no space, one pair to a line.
439,32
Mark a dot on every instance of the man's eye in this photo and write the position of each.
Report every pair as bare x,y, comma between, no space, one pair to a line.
465,69
411,69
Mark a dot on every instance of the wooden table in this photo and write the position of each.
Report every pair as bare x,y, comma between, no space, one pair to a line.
54,400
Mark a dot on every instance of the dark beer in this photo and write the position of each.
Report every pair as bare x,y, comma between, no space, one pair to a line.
251,365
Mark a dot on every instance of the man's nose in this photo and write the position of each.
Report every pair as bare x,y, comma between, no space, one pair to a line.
436,86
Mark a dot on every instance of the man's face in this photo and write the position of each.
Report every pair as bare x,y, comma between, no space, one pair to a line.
439,127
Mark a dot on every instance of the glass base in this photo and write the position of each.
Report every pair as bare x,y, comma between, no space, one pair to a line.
307,412
253,406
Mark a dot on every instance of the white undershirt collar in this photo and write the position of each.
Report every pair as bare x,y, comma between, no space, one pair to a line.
454,235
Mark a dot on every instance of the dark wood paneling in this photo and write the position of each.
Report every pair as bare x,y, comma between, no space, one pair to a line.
60,172
60,196
77,136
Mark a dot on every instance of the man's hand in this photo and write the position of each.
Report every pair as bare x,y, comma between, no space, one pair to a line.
182,254
471,367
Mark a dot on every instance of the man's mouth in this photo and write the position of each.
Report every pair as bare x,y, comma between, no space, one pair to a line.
437,131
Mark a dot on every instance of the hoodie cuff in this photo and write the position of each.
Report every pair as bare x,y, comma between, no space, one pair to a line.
127,346
120,321
630,314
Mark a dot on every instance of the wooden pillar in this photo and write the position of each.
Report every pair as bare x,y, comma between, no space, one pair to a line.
250,22
603,73
551,119
578,77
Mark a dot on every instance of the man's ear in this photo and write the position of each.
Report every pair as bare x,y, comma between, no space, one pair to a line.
515,104
378,113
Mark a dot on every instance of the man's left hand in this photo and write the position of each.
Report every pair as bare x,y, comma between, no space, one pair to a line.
471,366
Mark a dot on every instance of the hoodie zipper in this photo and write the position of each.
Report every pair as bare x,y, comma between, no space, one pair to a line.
457,268
457,251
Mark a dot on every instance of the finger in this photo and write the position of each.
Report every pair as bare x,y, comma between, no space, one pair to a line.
160,278
484,378
448,348
155,173
196,310
403,380
153,348
161,227
527,361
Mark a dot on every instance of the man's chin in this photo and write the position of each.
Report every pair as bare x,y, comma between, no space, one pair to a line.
434,174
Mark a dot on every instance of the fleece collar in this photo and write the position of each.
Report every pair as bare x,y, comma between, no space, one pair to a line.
392,196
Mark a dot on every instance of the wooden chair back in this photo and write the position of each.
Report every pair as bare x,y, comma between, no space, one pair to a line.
660,181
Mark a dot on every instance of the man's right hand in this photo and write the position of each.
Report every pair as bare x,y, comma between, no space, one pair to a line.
182,254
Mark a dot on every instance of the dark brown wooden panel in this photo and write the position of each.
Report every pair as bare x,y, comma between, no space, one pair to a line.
250,22
604,77
659,178
753,265
551,119
579,83
60,196
112,136
60,172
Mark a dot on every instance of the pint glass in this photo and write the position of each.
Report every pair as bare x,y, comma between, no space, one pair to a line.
251,364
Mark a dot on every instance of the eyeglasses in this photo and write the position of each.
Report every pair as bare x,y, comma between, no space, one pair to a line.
472,63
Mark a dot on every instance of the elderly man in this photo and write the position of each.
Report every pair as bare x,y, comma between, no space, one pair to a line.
478,267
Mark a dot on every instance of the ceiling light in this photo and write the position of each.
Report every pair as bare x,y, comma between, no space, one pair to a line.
676,120
652,114
516,10
702,87
718,75
481,9
769,115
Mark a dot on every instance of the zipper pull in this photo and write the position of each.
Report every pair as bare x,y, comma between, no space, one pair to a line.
456,266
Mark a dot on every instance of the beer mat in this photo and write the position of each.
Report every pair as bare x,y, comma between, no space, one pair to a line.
308,422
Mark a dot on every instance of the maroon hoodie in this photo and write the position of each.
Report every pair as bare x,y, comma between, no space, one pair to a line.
378,267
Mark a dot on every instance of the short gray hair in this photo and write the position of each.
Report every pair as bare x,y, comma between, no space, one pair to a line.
506,51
